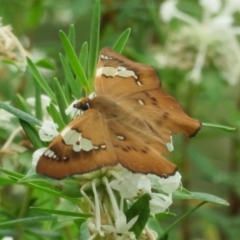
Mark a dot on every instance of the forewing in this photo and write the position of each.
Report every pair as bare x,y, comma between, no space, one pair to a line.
83,146
118,76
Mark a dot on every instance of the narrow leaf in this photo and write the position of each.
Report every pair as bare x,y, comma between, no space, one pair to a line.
62,101
17,177
83,56
58,212
40,80
22,104
74,62
72,35
56,116
46,64
222,127
75,88
20,114
120,43
201,196
25,221
32,134
38,102
94,41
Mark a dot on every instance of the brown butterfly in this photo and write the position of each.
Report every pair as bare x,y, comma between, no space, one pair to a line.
129,122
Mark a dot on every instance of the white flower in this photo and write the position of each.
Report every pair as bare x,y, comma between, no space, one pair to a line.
7,238
170,184
36,155
144,183
48,131
127,185
168,10
5,116
10,46
122,227
45,100
213,38
212,6
159,203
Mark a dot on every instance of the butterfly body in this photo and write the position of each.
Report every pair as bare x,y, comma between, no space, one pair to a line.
129,122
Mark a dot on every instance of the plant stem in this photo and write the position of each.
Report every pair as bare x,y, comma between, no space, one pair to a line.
185,168
234,198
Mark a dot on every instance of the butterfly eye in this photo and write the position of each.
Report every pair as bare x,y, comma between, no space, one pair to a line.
85,106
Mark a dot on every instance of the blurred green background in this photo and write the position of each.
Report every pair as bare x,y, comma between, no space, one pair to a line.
208,163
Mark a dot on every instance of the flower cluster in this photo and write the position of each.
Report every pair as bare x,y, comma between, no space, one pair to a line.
10,46
108,191
198,43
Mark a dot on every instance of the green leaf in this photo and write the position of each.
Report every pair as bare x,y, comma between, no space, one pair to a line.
26,221
64,213
75,88
47,189
40,80
32,134
56,116
74,62
141,209
94,42
200,196
46,64
6,181
120,43
38,102
11,173
222,127
84,232
163,216
22,104
62,101
72,35
83,56
20,114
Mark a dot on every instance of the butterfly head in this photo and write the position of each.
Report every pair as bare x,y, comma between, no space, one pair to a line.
83,104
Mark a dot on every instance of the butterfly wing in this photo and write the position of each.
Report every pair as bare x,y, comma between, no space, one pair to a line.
83,146
117,76
137,87
163,113
138,150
